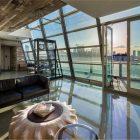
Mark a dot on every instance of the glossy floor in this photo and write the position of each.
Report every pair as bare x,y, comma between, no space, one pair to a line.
12,74
111,116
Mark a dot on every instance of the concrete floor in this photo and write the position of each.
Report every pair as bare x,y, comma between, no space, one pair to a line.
111,116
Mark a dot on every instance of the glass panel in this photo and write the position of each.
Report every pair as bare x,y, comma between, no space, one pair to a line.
92,72
109,55
29,56
68,8
34,24
124,70
135,58
65,68
36,34
79,20
51,16
28,52
83,38
26,46
86,55
53,28
116,69
59,41
63,55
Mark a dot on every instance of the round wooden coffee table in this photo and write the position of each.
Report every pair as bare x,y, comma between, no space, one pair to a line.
26,125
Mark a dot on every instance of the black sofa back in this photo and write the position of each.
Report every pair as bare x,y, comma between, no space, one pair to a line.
8,92
22,88
7,84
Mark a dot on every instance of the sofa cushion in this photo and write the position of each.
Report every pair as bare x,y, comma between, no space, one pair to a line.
26,81
32,90
9,96
44,82
8,84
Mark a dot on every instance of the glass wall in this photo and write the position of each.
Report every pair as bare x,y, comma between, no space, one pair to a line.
79,20
82,41
134,55
35,29
28,51
84,45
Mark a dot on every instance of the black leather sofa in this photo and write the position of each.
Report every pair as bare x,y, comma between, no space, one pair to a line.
16,90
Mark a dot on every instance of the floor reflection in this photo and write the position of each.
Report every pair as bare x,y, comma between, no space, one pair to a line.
111,116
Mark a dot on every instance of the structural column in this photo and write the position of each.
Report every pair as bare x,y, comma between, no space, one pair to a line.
42,29
101,42
67,43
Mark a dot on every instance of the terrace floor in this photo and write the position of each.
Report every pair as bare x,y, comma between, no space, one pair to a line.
111,116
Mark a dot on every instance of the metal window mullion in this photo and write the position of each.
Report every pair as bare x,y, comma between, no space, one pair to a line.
44,37
101,45
32,47
66,43
128,57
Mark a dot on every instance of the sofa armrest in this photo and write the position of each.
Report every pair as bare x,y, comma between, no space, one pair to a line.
44,81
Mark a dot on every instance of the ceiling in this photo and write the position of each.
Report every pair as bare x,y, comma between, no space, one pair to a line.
17,35
15,14
99,8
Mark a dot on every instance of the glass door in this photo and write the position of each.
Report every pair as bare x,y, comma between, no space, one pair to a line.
108,55
134,56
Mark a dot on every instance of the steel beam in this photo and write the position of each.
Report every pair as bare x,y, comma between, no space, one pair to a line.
32,46
44,37
67,43
101,47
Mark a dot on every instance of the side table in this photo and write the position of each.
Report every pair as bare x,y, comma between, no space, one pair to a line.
76,132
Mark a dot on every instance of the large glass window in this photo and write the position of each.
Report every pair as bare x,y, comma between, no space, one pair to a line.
88,71
36,34
135,59
83,38
59,41
28,52
53,28
27,46
79,20
86,55
66,69
51,16
68,9
84,45
34,24
63,55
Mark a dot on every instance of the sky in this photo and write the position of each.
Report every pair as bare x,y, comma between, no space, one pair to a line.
119,34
